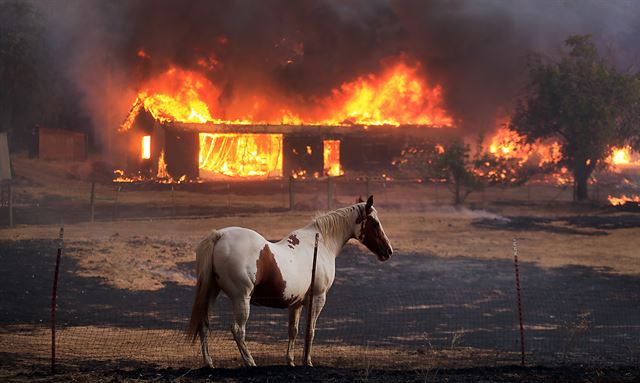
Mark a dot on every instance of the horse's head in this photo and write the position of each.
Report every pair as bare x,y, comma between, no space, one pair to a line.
368,230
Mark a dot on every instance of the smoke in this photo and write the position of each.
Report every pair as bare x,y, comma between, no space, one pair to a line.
476,50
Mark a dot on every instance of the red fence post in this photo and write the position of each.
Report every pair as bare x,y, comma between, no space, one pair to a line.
53,303
515,259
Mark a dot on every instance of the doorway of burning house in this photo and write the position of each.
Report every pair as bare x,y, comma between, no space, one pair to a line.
303,155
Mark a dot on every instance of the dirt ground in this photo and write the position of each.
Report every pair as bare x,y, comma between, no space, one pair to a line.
116,373
442,309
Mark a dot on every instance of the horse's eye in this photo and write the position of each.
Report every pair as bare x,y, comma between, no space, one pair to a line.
376,224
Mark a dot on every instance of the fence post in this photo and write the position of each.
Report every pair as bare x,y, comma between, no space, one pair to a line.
173,203
519,298
307,344
367,187
92,200
115,203
53,302
329,193
291,193
10,204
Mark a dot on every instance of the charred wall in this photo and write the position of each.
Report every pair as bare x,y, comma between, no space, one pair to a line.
302,154
182,149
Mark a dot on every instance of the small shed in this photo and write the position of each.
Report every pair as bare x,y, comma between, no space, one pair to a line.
59,144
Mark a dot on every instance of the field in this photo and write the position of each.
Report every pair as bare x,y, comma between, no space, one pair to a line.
442,309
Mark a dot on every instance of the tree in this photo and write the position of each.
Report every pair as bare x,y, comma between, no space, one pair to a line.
25,72
449,163
585,103
452,164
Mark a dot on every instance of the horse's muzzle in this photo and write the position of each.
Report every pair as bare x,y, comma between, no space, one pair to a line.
385,256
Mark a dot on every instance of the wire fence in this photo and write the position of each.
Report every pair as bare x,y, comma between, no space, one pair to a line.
108,202
418,312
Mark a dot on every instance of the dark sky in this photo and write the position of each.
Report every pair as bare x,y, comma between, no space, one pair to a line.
476,50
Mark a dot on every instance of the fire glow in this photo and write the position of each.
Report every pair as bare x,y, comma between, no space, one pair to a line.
241,155
623,199
331,155
146,147
395,96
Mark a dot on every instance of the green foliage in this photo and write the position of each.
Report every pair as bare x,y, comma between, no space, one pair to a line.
23,69
452,164
585,103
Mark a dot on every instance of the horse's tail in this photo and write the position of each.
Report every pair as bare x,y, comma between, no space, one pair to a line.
205,272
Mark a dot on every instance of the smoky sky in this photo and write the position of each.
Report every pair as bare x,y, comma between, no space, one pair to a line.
476,50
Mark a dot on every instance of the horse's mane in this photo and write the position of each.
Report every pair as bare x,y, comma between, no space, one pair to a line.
335,223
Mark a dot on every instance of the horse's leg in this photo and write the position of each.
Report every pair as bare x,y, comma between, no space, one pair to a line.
318,304
241,309
204,329
294,319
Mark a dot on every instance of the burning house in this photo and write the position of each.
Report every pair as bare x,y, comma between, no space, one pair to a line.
171,135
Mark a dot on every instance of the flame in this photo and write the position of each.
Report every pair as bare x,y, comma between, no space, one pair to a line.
623,156
508,144
623,199
146,147
331,154
162,167
620,156
119,176
244,155
397,96
177,96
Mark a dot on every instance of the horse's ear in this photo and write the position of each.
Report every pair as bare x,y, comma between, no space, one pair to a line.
369,204
359,200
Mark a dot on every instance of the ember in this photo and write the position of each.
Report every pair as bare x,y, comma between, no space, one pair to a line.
623,199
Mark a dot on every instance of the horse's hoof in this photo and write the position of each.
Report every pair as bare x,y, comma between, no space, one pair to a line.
308,363
291,364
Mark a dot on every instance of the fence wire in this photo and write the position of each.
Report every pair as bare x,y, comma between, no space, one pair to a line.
417,312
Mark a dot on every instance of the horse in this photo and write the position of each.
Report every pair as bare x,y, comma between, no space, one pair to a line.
251,270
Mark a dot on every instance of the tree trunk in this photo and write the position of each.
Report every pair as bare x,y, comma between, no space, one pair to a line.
581,175
582,193
456,197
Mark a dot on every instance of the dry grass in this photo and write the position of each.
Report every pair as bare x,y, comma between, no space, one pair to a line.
82,344
142,254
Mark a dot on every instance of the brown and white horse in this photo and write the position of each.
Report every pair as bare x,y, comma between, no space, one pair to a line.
251,270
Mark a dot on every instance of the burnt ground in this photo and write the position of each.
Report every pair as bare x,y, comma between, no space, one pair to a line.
591,225
581,323
107,373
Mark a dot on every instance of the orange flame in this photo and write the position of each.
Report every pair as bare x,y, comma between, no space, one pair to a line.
146,147
508,144
623,156
331,155
162,167
398,95
623,199
244,155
